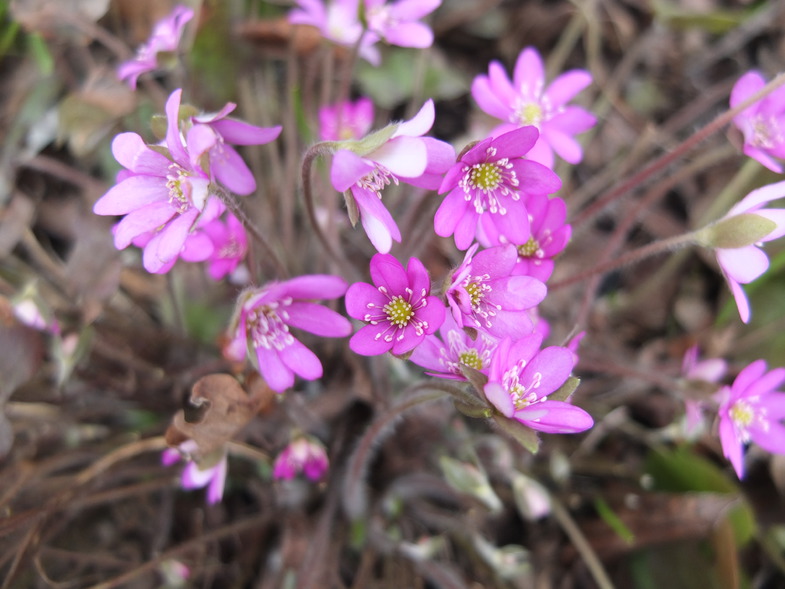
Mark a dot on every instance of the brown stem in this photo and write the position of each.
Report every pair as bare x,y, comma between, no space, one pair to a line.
666,159
631,257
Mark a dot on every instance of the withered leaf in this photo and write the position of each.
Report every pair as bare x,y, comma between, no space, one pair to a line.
223,408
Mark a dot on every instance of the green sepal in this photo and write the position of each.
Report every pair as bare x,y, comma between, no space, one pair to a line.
525,436
564,391
735,232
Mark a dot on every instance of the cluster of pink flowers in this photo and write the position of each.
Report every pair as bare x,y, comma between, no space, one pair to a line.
498,206
168,196
364,23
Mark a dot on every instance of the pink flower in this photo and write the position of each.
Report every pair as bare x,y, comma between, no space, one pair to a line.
365,169
162,197
304,455
484,190
196,476
763,123
347,120
397,23
526,101
397,308
226,165
338,21
443,355
482,293
710,370
743,264
164,39
262,320
230,244
752,410
549,236
521,377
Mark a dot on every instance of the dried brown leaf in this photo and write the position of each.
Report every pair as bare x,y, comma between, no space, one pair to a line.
219,408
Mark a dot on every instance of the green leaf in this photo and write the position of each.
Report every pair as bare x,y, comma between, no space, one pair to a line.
614,521
525,436
566,390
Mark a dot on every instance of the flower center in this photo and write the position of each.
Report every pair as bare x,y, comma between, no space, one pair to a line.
742,414
529,249
485,176
180,189
476,292
486,183
521,396
399,312
529,113
377,180
266,326
471,358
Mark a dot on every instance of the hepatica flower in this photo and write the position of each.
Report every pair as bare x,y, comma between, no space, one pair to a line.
161,196
751,410
397,309
527,101
210,474
164,39
229,246
443,355
549,236
397,22
347,120
763,123
262,320
338,21
304,455
521,377
484,190
362,169
735,239
483,295
226,165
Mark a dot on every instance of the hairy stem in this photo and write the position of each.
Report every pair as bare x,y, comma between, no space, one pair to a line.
666,159
631,257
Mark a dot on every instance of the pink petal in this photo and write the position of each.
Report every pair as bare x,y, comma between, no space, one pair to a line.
529,72
241,133
419,124
173,137
501,85
757,198
565,146
231,171
410,34
318,320
388,272
276,374
742,303
140,221
743,264
315,286
746,86
302,361
487,99
135,192
566,86
555,417
500,398
347,168
403,156
547,371
130,150
359,296
365,342
732,447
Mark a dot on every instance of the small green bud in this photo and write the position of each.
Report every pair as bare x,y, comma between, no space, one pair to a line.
735,232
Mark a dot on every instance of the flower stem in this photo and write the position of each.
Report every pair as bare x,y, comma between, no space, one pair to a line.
631,257
666,159
355,499
313,152
234,207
